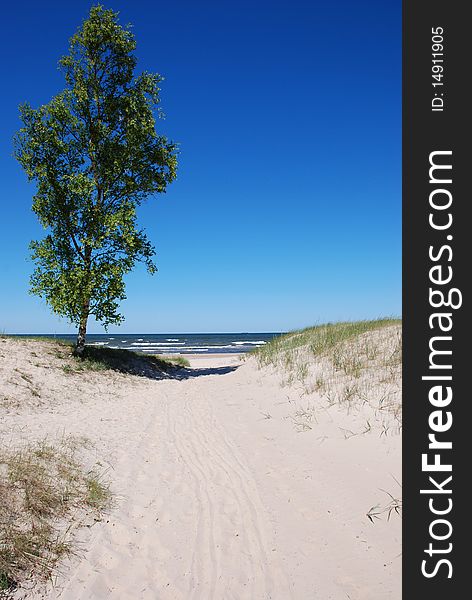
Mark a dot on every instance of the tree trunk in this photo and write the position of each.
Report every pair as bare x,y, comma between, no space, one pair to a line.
80,346
84,314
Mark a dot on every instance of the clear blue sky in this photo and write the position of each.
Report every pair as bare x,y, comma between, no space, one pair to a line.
287,207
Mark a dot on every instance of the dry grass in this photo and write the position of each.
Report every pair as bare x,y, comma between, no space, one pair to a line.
43,489
177,360
319,340
352,365
96,358
393,506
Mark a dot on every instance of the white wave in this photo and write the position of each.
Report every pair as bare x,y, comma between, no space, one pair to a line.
196,348
227,346
259,343
172,340
209,347
159,350
140,340
145,349
98,343
157,344
204,347
191,350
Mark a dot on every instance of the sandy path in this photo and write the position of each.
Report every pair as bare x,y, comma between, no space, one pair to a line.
217,495
190,523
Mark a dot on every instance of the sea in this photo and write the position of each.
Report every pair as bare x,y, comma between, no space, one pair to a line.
175,343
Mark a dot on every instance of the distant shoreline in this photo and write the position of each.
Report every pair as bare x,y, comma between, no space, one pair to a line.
195,344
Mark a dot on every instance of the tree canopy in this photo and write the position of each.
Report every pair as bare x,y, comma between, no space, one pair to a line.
95,156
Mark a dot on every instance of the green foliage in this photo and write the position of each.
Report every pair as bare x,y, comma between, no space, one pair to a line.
94,154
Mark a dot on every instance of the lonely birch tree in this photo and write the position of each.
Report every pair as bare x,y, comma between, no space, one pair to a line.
95,156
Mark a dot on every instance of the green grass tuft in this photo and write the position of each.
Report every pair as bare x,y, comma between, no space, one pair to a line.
319,340
98,494
350,364
97,358
42,485
178,360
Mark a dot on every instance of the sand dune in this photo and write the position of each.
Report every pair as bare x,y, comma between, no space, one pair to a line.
218,495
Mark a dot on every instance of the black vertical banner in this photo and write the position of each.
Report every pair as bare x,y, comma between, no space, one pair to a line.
437,267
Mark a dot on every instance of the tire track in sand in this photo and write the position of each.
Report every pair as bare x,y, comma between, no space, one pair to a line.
220,478
189,523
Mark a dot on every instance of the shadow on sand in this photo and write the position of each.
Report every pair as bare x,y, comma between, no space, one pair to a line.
142,365
189,373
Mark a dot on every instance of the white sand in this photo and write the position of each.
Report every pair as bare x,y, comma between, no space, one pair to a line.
218,496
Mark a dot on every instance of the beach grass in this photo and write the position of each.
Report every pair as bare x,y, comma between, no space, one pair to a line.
42,485
393,506
36,338
177,360
319,340
98,358
349,364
